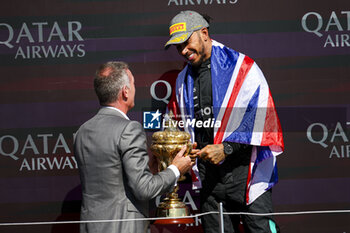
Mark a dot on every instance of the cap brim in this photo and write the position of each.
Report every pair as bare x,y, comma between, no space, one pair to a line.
178,39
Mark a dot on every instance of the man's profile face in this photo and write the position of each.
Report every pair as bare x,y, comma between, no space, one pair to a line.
193,50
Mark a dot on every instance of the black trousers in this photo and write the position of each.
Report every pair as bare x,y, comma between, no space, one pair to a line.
227,184
251,224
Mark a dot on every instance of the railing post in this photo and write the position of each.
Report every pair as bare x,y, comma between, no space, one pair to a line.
221,218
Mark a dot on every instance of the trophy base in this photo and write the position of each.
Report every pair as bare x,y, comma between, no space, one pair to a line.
174,221
173,208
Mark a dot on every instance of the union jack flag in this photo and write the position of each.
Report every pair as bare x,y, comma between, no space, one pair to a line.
243,104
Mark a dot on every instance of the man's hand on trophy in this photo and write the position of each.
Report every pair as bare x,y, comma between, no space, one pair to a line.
213,153
183,163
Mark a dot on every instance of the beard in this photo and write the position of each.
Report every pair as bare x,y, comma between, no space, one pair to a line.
201,54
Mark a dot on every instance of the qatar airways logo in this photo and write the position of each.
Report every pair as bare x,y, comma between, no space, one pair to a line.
40,40
334,28
200,2
39,152
158,85
334,139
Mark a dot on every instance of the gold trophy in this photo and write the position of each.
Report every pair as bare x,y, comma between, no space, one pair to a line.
165,145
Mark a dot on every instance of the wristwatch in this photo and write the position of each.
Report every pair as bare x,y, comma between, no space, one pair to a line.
228,149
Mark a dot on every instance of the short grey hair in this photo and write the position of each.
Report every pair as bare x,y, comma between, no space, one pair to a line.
110,78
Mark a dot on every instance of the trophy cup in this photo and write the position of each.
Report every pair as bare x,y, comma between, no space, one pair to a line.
165,145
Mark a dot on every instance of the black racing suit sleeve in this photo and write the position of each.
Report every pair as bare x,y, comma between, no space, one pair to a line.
229,181
241,152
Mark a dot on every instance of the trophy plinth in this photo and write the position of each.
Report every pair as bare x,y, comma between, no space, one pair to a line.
165,145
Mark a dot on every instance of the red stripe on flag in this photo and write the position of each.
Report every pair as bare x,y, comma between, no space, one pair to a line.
174,106
242,73
248,183
193,176
272,134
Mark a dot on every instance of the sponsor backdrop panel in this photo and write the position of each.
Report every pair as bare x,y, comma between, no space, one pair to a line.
49,51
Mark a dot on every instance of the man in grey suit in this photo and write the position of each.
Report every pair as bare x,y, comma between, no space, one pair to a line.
112,158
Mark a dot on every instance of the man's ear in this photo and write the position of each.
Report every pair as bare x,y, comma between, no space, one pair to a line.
205,34
125,92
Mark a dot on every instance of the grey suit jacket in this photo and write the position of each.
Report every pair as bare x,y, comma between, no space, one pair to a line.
112,158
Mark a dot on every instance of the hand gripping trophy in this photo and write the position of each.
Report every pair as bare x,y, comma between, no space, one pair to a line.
165,145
